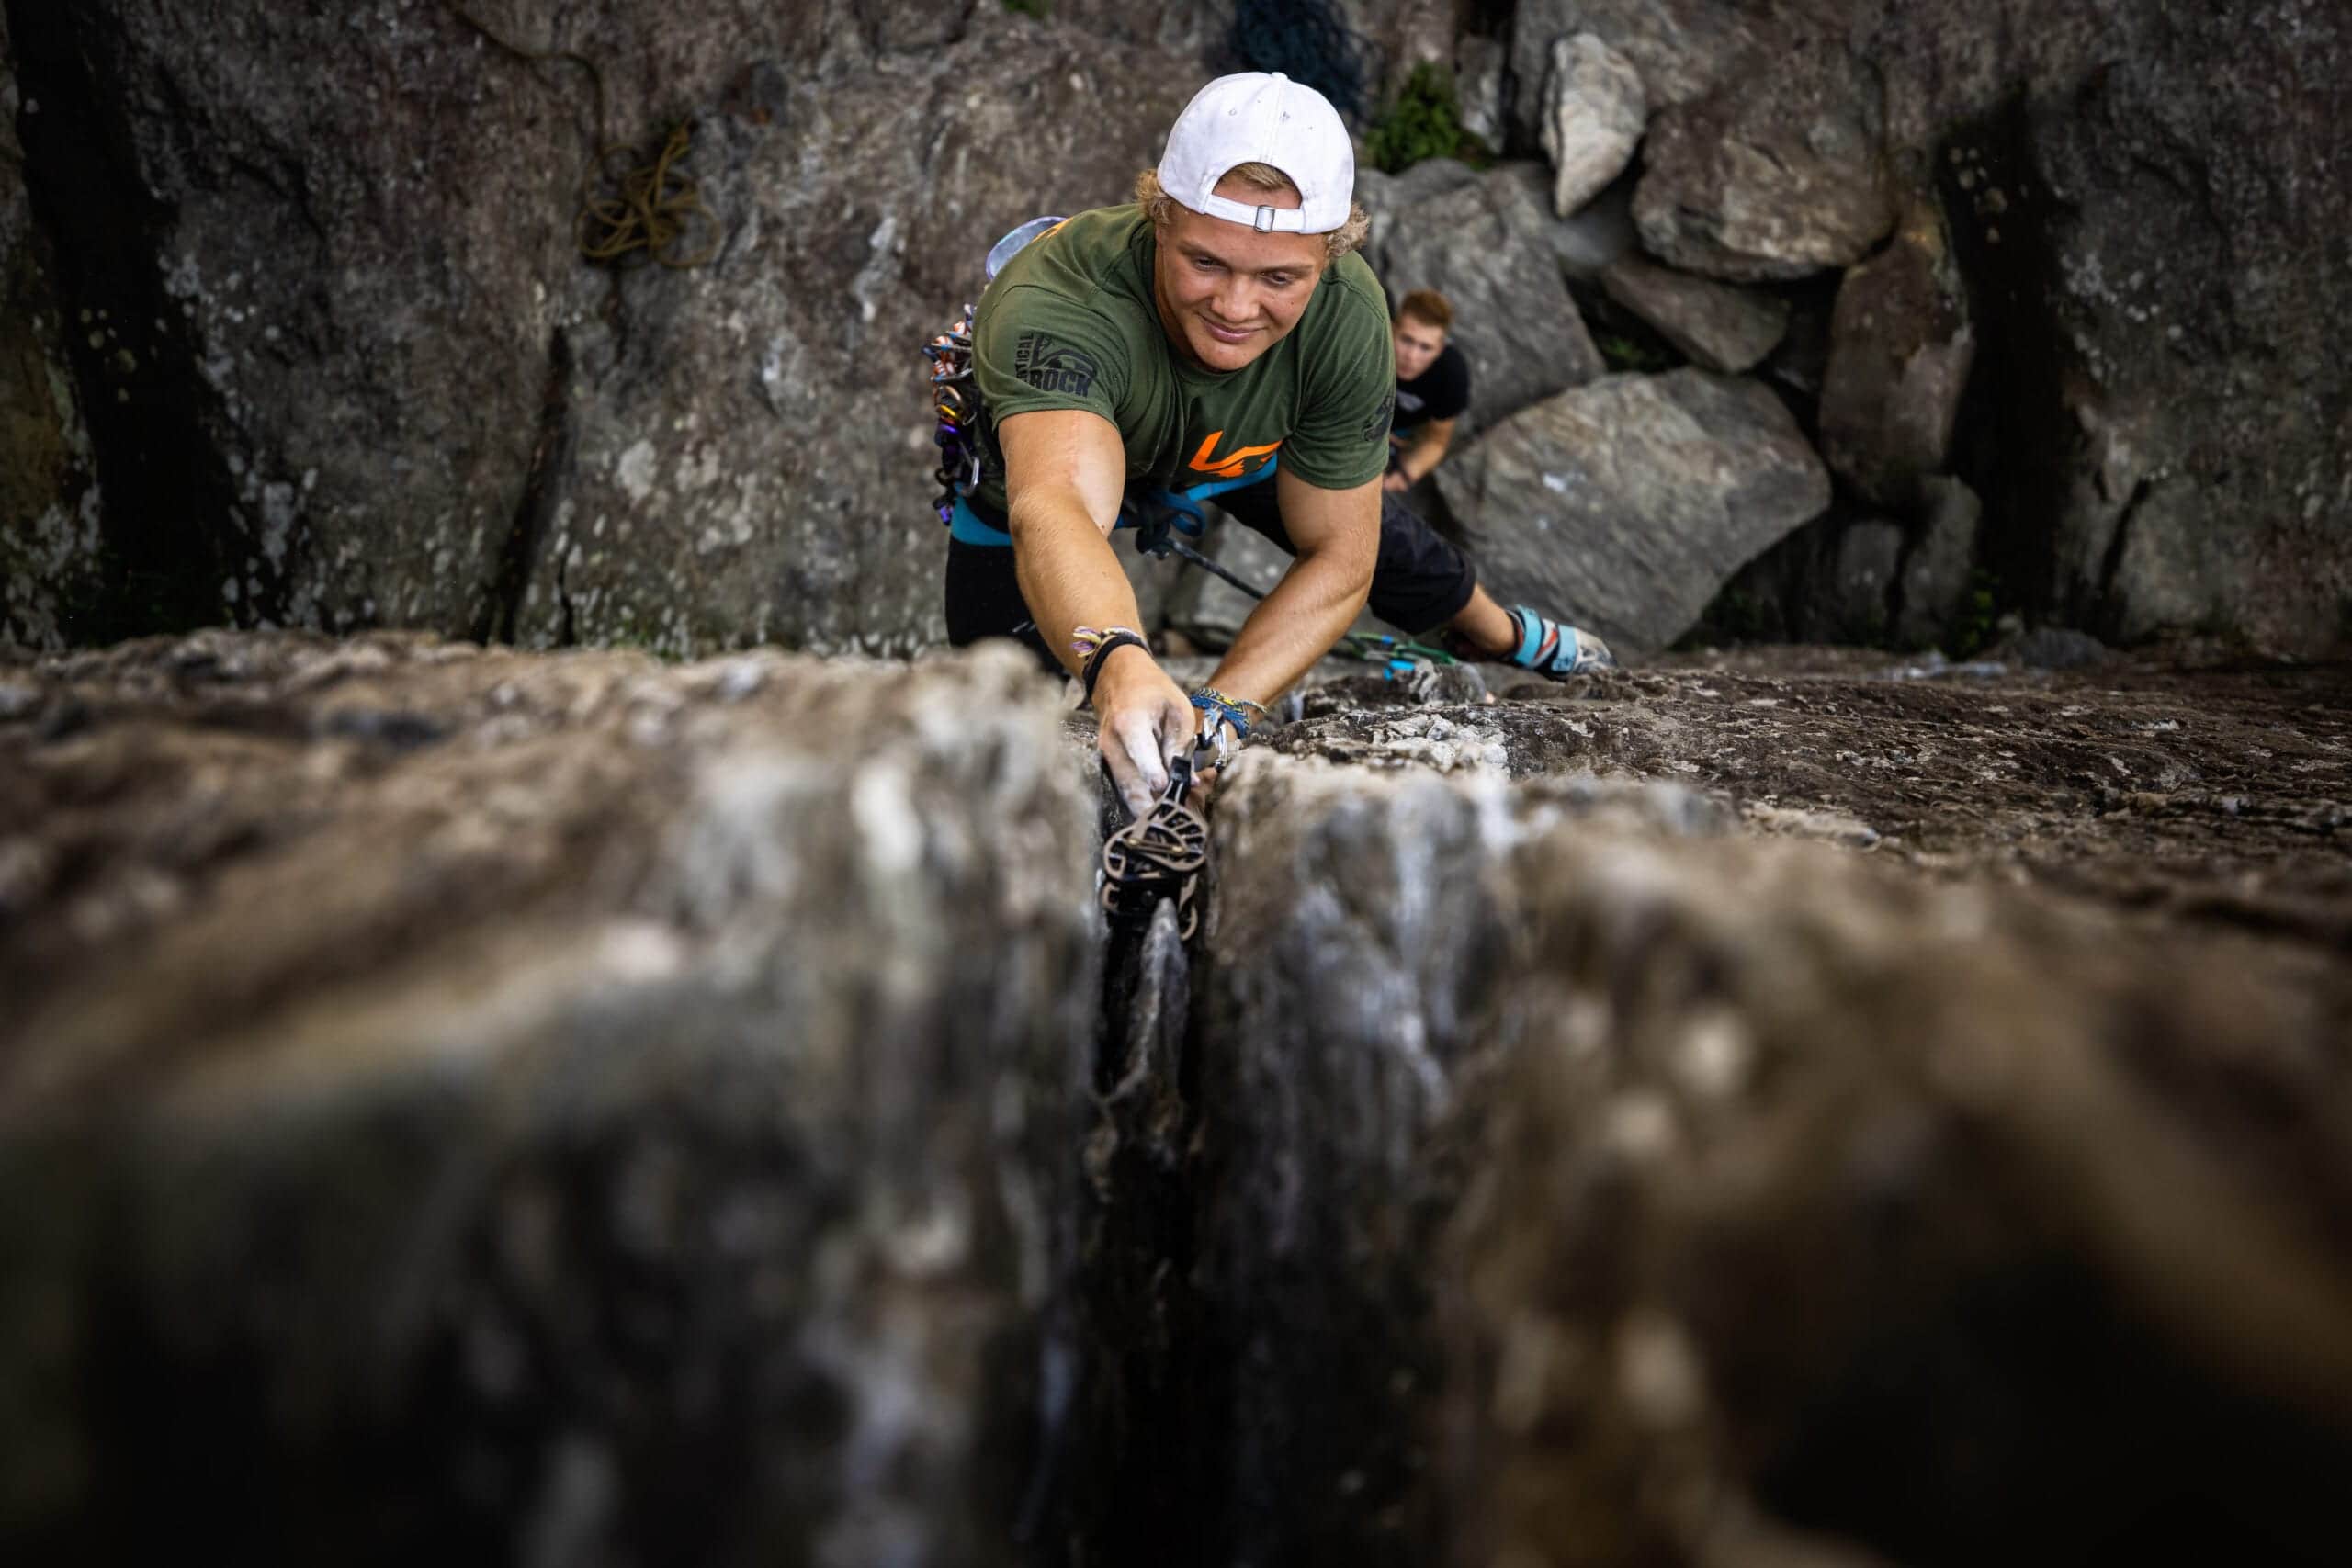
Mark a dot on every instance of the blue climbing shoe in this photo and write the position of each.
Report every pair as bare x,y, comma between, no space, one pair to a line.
1550,648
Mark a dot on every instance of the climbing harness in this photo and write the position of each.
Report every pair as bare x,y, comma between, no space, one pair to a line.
1157,857
645,209
1156,518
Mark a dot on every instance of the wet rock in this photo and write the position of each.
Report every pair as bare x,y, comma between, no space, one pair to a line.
1900,349
638,1122
1594,110
1625,505
1717,326
1775,176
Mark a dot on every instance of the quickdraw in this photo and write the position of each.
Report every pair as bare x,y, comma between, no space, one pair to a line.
1159,855
954,398
959,406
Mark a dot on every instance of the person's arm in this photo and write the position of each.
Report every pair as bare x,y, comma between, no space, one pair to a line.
1336,536
1427,450
1065,471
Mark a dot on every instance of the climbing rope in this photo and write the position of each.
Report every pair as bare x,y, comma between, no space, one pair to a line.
1401,656
644,210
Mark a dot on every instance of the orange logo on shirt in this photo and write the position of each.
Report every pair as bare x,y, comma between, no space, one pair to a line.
1233,465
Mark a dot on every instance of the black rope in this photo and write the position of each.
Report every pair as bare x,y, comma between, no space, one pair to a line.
1308,42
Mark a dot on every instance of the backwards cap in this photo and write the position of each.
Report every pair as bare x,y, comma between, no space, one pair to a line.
1255,117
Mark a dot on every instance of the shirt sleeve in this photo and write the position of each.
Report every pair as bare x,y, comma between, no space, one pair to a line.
1349,396
1032,349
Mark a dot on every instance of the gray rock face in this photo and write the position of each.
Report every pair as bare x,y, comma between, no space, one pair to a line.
1479,64
404,399
1682,49
1717,325
1594,110
1776,176
50,504
1625,504
1487,247
1900,350
1938,573
567,1108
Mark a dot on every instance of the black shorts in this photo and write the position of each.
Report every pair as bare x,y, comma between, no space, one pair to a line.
1419,582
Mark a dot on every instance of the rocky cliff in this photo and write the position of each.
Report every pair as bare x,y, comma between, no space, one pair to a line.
298,332
569,1108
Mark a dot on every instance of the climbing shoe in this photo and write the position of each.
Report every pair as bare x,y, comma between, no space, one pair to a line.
1550,648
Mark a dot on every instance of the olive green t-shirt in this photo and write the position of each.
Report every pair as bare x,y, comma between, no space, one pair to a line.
1071,323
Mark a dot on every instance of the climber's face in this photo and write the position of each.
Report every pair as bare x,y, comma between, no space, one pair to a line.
1227,293
1418,346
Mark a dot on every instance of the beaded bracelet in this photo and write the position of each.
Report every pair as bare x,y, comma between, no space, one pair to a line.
1213,694
1223,711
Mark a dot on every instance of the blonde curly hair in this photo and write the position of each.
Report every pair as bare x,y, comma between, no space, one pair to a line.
1160,207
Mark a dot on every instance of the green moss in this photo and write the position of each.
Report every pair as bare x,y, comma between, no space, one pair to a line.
1979,612
1424,122
1620,351
1037,8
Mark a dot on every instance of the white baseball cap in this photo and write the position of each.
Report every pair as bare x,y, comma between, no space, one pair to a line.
1255,117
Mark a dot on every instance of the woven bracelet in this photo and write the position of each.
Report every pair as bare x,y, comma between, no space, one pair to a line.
1103,644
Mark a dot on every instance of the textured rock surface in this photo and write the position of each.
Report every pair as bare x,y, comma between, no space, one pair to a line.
50,504
1900,350
1625,505
2037,1252
1776,176
396,394
1718,326
1350,978
468,1105
1938,571
1594,110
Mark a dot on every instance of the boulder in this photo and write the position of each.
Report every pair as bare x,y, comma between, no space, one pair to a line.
1939,572
469,1105
1625,504
1717,325
1487,246
1778,175
1479,64
1682,49
1594,110
1900,350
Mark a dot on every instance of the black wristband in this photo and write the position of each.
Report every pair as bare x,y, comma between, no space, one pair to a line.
1101,651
